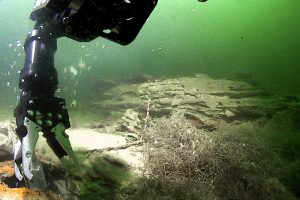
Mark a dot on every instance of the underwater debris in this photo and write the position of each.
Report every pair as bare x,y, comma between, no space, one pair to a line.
73,70
232,162
5,155
81,64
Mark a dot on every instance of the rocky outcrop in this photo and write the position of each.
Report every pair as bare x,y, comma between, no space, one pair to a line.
205,101
6,138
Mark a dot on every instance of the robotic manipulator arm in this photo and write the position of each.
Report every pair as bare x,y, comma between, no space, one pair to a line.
39,110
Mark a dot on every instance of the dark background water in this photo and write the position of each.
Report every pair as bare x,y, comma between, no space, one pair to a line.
257,40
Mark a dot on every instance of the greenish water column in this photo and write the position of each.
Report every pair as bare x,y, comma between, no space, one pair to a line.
222,38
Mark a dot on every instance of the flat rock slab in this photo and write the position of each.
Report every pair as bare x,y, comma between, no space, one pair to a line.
89,139
81,139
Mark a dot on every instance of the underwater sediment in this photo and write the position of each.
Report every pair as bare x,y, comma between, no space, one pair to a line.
174,138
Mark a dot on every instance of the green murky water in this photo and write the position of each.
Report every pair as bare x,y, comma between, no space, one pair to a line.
225,39
258,41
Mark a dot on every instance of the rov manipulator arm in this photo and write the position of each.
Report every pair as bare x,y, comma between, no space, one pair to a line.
39,110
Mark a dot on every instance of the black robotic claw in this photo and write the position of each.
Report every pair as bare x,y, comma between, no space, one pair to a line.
39,110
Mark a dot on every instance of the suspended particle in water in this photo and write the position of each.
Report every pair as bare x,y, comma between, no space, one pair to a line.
81,64
9,45
107,31
103,46
65,70
73,103
8,84
73,70
19,43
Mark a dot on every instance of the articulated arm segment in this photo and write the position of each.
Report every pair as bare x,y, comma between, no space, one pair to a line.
39,110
